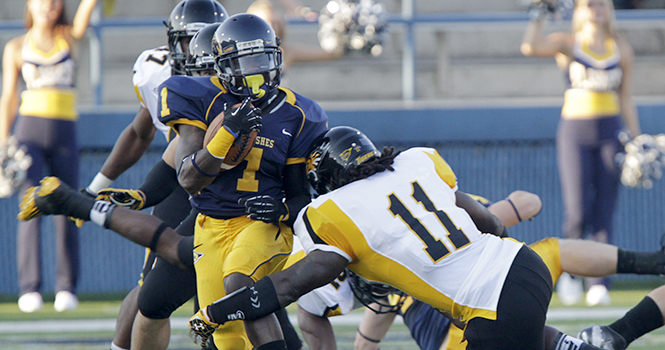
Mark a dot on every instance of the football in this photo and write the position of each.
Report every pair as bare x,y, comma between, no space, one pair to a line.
240,148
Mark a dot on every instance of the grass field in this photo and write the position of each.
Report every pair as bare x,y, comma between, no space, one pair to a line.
91,326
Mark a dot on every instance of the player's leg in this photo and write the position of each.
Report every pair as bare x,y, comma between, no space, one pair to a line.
291,337
266,258
588,258
123,326
428,326
645,317
161,183
316,330
373,327
213,241
52,197
152,327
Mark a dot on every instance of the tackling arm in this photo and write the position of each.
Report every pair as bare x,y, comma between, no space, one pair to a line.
297,196
278,290
481,216
519,206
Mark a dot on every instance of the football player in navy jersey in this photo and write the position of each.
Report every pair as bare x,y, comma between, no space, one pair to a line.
152,67
235,250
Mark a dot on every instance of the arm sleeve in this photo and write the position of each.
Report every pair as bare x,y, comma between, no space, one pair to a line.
159,183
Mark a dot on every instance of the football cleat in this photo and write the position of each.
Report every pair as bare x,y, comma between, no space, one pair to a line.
603,337
201,328
51,197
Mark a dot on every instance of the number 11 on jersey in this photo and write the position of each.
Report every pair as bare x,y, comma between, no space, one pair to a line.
433,246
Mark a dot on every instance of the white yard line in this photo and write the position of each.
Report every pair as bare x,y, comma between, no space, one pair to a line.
353,319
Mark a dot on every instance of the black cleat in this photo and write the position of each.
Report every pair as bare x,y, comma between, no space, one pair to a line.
51,197
603,337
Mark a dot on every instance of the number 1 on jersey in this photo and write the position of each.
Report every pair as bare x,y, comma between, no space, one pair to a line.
434,247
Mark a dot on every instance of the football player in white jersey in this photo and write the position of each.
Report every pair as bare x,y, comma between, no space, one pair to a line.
428,327
383,222
151,68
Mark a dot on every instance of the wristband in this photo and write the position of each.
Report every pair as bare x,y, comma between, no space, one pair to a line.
99,182
515,209
220,144
193,157
368,338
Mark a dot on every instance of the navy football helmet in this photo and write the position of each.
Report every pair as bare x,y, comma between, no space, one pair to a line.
248,59
388,298
338,149
186,19
200,58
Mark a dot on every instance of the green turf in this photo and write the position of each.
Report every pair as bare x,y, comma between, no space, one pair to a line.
397,339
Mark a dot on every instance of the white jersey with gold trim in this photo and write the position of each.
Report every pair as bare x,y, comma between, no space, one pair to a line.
403,228
151,68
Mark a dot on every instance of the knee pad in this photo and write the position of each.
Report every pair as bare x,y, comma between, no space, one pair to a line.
165,289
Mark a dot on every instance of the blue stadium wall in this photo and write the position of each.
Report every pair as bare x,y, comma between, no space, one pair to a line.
492,150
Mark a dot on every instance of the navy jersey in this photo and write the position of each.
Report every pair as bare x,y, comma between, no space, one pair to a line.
288,131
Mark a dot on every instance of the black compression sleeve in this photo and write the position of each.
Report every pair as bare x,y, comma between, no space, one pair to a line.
185,251
642,263
159,183
247,303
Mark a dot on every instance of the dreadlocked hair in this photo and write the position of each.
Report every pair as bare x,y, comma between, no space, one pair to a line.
375,165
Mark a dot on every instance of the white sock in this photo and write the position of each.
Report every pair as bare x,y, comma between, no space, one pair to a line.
99,212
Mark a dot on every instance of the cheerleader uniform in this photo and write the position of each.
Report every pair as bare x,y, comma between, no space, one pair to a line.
47,127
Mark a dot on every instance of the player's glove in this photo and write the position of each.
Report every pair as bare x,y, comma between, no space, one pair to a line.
131,199
242,119
201,328
265,208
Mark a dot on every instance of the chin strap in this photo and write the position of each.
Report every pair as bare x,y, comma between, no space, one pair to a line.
269,101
